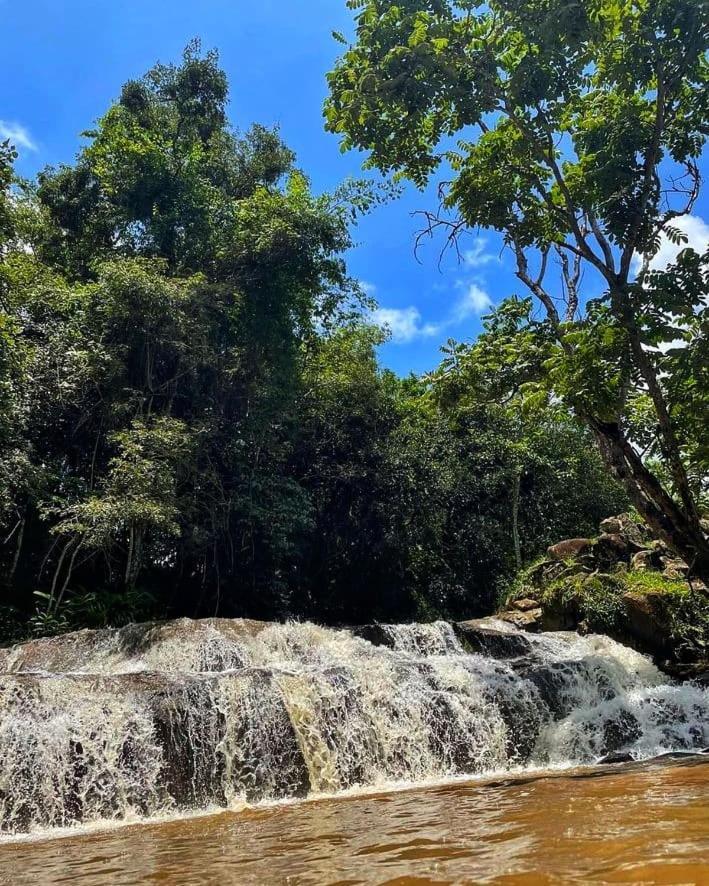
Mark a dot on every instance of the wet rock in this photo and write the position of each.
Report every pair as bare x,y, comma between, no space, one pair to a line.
570,549
487,637
142,742
551,681
186,645
617,757
561,613
529,620
620,731
374,633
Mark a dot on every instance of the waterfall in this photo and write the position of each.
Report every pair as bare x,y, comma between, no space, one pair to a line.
157,719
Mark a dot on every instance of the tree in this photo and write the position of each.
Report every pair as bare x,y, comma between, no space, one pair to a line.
579,127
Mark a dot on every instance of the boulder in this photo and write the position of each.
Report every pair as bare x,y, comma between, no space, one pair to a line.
675,569
525,604
617,757
530,620
646,560
374,633
611,525
489,637
570,549
610,549
646,619
636,534
539,576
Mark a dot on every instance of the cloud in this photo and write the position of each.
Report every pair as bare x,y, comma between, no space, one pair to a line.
367,288
475,300
697,233
405,324
17,134
477,256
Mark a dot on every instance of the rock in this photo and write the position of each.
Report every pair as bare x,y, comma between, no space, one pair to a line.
525,621
525,604
636,534
611,525
617,757
697,672
646,619
544,573
619,731
646,560
570,549
374,633
675,569
186,645
610,549
487,636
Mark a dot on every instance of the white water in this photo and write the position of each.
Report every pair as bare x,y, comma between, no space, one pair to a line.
153,720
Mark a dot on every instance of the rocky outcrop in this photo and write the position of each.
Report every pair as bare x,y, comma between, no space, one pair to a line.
624,583
648,620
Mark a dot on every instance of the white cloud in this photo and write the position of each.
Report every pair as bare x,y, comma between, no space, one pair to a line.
473,301
18,135
697,232
477,256
367,288
404,324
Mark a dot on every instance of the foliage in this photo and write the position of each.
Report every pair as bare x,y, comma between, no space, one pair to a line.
193,417
597,600
573,129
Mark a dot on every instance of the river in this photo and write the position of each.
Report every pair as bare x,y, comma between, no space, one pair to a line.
644,823
227,751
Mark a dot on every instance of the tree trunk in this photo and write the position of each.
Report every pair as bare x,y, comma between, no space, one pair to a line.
662,514
515,518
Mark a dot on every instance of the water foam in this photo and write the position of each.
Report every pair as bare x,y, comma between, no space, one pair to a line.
150,720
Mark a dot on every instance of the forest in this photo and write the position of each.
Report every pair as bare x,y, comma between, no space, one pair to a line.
194,421
193,417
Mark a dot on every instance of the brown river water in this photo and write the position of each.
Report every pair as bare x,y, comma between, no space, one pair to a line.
644,823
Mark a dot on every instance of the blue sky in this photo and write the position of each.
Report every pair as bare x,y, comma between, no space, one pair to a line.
63,63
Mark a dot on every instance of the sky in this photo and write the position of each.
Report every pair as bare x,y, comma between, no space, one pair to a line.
63,64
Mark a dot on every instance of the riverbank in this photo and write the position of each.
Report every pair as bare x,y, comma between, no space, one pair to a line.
623,583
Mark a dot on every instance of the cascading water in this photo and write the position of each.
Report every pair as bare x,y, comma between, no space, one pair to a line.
154,719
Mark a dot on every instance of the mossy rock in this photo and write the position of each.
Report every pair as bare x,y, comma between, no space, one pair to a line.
594,600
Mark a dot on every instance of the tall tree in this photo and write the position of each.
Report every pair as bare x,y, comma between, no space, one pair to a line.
579,127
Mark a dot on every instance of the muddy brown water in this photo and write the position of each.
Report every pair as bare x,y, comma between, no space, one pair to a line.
644,824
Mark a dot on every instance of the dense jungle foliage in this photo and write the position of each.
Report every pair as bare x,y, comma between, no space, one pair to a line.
193,418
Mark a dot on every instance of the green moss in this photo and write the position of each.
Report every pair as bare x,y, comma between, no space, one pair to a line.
597,600
686,610
594,599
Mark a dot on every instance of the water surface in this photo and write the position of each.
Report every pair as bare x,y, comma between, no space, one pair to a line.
638,824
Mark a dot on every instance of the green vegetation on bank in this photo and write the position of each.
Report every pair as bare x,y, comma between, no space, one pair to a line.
193,418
